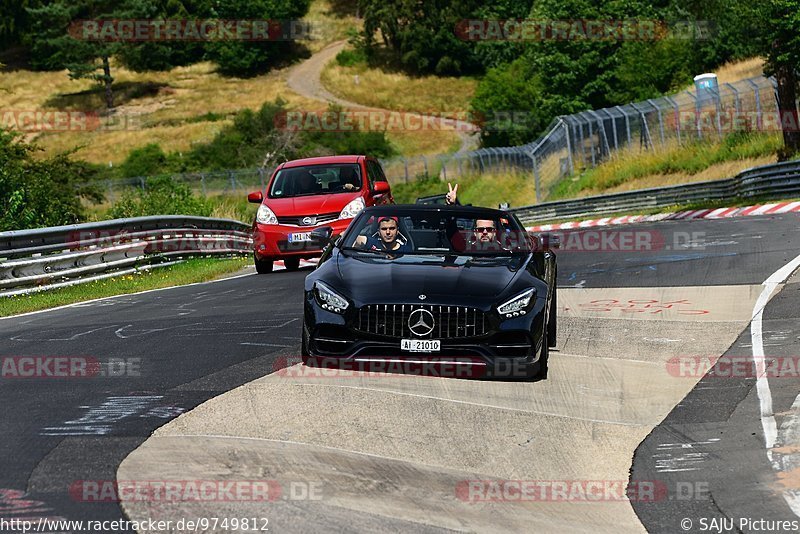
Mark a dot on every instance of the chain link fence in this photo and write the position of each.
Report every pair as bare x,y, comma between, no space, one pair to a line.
571,142
206,184
584,140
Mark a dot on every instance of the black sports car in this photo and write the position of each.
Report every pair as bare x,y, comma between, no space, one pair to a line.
432,289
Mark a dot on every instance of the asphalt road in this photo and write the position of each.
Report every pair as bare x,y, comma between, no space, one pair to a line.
183,346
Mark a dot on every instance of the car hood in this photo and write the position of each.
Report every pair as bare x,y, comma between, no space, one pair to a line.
374,278
309,205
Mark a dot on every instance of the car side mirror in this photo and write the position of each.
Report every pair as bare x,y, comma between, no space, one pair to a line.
256,197
381,188
548,241
320,237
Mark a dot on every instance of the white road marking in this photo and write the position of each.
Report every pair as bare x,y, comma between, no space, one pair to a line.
264,344
768,423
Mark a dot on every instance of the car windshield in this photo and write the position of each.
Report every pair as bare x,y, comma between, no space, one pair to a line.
316,180
437,232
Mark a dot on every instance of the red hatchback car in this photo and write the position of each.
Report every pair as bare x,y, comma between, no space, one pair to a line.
307,193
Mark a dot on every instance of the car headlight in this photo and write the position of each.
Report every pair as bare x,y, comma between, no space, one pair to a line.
330,299
517,305
264,215
352,209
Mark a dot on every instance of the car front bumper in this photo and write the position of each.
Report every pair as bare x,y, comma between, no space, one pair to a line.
271,241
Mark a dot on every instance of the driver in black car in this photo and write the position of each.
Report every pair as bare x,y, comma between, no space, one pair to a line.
387,238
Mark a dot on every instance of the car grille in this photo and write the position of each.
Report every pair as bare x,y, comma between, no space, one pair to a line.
320,219
449,321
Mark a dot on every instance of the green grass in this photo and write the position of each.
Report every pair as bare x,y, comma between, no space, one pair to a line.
487,190
673,163
188,272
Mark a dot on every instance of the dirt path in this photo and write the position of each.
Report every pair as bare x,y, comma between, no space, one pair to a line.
304,79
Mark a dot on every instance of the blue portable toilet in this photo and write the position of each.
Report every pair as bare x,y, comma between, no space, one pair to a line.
707,88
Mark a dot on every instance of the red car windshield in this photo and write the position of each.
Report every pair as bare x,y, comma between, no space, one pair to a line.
316,180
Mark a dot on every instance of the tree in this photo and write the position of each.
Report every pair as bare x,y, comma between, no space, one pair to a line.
422,35
164,55
54,48
37,192
245,58
781,46
15,20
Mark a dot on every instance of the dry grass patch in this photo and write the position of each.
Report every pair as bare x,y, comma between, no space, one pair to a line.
398,91
330,23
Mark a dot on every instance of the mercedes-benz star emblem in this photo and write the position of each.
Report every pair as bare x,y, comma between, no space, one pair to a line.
421,322
423,296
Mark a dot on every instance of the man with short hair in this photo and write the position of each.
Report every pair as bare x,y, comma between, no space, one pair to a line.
484,232
387,238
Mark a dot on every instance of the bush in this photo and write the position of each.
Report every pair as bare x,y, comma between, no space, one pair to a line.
149,159
161,196
350,58
35,192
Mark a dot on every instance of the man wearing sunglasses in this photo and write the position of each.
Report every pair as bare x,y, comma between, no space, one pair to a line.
484,232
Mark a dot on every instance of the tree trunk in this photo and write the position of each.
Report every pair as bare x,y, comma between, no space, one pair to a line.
108,81
787,106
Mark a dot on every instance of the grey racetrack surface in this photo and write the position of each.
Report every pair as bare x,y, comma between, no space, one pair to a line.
197,342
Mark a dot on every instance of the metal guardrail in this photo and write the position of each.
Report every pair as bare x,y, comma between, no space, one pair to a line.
46,258
776,180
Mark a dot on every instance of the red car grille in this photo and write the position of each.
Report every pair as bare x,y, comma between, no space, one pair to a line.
449,321
319,219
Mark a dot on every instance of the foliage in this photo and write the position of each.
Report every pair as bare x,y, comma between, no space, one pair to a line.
161,196
38,192
509,91
423,37
164,55
144,161
244,58
53,47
